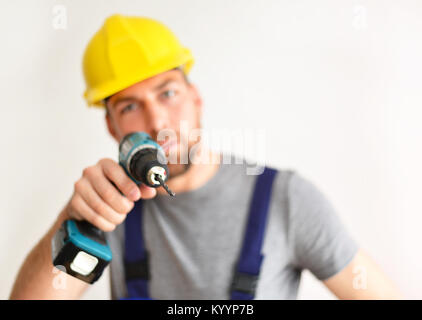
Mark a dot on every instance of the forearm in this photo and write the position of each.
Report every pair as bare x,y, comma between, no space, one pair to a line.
39,279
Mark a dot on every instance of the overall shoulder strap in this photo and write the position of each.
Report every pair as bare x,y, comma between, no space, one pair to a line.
249,263
136,256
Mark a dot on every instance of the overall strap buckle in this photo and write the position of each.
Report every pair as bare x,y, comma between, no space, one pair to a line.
137,270
244,282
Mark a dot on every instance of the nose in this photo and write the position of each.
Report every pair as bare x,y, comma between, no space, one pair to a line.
156,116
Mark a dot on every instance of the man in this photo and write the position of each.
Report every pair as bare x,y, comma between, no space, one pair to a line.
137,70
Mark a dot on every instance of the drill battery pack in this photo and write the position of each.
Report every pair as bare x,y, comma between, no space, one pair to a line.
81,249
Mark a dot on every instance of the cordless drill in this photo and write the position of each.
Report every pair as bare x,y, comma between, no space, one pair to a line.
79,248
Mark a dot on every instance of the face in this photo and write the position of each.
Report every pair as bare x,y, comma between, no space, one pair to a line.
159,103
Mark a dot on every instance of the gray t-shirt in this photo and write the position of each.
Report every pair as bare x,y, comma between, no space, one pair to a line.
194,239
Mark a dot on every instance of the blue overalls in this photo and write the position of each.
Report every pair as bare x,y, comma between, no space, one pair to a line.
248,265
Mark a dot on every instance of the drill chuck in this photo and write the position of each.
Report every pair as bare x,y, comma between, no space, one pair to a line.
144,165
144,160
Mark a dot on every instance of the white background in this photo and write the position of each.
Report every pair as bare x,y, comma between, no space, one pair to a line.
336,85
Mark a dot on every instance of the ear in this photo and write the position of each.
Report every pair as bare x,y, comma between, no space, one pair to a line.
110,127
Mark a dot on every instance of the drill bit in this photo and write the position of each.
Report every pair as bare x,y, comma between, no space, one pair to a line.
157,176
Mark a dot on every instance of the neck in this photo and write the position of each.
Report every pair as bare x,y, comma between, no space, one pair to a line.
202,168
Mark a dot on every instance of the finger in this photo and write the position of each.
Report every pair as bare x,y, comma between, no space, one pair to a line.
81,207
94,201
147,192
107,191
115,173
72,212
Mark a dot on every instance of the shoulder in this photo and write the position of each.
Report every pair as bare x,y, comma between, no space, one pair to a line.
282,181
288,185
307,199
303,200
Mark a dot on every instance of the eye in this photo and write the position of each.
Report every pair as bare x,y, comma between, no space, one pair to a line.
129,107
168,93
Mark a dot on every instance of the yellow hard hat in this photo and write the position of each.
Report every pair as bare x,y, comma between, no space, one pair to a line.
127,50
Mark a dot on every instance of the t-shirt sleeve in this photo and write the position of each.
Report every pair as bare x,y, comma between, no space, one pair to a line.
319,240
